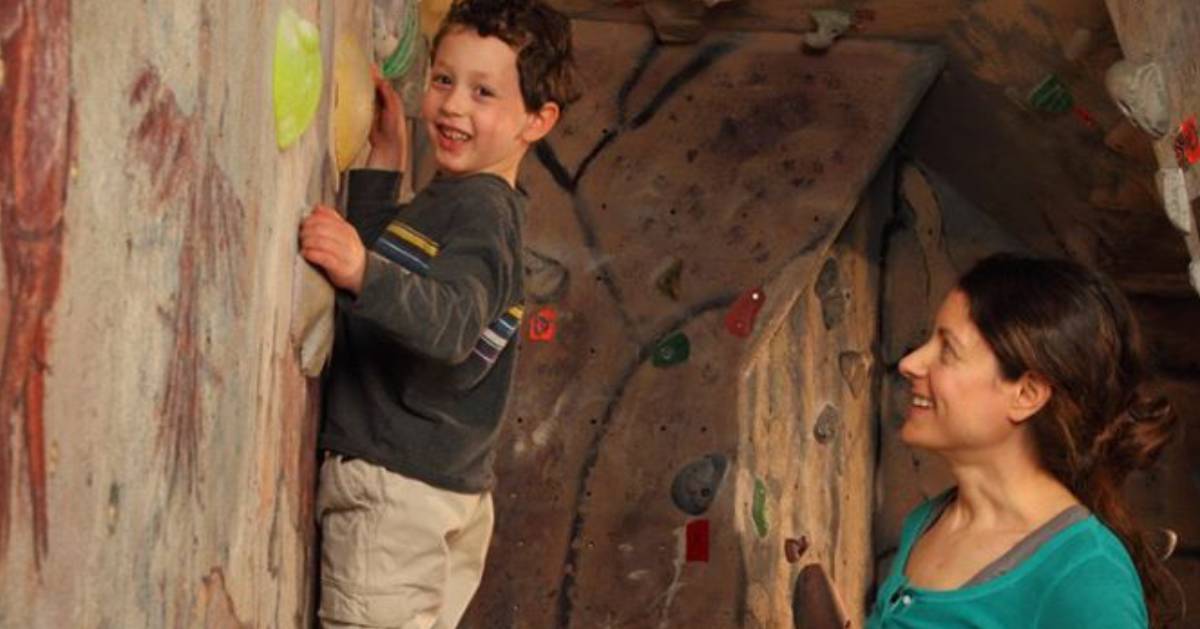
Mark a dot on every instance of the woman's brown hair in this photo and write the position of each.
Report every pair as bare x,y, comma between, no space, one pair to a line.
1072,327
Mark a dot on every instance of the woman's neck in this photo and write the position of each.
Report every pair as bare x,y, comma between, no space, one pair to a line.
1006,493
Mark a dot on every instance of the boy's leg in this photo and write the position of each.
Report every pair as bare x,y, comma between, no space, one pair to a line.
468,550
383,552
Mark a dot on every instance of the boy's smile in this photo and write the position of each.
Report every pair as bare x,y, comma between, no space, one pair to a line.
473,109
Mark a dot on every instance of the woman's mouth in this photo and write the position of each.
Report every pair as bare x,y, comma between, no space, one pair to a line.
921,401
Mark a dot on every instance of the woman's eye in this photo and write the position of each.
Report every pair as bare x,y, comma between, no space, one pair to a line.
441,79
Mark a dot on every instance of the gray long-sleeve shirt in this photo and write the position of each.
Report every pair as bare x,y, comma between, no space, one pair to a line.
413,386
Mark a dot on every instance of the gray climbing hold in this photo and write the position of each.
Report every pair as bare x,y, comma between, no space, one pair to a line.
827,424
545,277
829,290
696,484
1141,94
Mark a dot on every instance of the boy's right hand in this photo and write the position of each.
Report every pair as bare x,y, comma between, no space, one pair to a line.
389,132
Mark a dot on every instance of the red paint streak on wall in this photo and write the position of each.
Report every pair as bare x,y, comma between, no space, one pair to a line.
35,150
185,176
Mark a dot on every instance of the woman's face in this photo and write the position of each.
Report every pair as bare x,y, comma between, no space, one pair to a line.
960,402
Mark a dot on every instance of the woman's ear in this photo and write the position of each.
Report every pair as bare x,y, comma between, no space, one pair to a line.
540,122
1030,396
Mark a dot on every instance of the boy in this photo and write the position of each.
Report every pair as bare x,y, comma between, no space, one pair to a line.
429,300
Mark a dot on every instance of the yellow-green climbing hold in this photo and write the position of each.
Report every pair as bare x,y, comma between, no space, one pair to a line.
297,80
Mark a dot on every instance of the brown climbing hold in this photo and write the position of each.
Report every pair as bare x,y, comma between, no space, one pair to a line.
854,367
676,21
667,275
793,548
815,601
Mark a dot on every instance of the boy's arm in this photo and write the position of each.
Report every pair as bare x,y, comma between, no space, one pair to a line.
371,201
442,313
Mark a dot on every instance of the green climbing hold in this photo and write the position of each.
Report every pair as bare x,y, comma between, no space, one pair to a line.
402,56
1051,96
760,511
296,86
672,350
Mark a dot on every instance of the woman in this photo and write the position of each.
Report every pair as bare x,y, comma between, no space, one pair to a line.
1029,388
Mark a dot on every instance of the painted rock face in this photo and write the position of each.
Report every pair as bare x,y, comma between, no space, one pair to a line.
696,484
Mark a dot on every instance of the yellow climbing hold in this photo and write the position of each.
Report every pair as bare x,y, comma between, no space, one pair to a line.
297,80
353,100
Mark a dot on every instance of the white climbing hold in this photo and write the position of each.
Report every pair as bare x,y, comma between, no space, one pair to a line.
1172,185
831,23
1140,94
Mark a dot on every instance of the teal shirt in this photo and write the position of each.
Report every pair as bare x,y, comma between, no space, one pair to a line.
1081,577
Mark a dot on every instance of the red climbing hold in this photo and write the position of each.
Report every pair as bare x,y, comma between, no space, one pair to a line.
544,325
740,318
697,540
1187,145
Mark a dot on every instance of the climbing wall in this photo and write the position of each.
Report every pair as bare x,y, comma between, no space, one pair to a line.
157,456
695,192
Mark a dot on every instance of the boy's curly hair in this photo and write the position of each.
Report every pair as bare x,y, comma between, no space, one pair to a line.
539,34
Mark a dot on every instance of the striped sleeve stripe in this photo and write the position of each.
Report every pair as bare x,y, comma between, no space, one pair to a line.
406,247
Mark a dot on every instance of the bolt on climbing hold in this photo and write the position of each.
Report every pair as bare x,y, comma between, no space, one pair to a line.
793,548
1051,96
544,325
1187,144
696,536
760,511
667,276
740,318
672,350
854,367
826,427
831,24
1172,185
396,46
296,80
1141,94
696,485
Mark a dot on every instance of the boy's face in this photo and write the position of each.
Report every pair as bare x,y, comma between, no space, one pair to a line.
473,108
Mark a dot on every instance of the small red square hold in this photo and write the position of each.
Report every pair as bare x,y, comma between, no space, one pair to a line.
697,540
544,325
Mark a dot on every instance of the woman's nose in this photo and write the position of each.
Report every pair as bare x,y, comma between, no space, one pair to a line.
912,366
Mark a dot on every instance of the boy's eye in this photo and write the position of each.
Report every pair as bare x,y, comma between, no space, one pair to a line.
485,91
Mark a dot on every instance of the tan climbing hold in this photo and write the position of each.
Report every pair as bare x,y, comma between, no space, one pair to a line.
353,100
1140,94
432,13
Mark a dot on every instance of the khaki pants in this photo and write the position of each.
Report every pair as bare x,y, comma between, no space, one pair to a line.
397,552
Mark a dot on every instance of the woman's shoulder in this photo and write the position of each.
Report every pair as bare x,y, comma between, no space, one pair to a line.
1090,574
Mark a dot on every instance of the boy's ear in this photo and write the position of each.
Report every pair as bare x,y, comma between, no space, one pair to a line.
540,122
1030,395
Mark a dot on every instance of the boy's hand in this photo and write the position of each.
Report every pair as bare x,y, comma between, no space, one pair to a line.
331,243
389,133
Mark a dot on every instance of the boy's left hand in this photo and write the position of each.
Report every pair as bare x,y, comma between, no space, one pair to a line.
331,243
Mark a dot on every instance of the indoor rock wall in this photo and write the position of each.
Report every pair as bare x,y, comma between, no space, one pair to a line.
686,178
157,434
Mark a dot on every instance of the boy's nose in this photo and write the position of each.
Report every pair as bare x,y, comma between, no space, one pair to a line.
453,103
